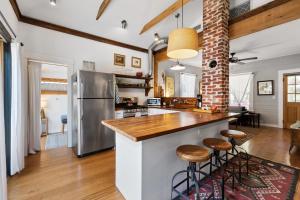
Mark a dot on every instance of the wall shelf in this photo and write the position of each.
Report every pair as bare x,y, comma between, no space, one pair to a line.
147,88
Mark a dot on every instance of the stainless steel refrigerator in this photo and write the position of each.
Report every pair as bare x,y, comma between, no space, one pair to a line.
93,101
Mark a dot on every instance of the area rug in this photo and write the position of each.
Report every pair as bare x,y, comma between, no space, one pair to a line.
266,181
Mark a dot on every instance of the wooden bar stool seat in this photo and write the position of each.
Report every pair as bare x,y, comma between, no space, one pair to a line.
233,134
217,144
193,153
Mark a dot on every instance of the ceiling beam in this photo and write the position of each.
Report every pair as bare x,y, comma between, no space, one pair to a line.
167,12
74,32
102,8
54,80
55,27
16,8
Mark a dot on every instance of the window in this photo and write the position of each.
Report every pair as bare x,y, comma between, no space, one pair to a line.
241,90
293,88
187,85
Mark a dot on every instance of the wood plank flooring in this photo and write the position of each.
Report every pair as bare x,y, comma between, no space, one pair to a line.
58,174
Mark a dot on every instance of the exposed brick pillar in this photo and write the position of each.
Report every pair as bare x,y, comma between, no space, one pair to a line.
215,82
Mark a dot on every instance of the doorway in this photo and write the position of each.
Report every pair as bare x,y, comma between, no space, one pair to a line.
291,99
53,104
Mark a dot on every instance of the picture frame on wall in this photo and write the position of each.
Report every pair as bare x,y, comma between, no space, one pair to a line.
136,62
265,87
169,86
119,60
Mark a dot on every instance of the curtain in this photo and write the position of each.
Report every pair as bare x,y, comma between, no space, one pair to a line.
18,128
187,85
241,90
7,102
34,81
3,181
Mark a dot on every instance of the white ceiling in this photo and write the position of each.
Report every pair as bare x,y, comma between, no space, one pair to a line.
78,14
81,15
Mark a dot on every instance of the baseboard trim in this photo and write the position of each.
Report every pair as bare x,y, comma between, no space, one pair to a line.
270,125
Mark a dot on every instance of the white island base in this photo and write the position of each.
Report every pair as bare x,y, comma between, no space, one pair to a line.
144,169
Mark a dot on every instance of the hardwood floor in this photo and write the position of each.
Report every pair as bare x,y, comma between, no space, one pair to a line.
58,174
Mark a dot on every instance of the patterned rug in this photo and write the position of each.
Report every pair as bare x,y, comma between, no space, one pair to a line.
266,181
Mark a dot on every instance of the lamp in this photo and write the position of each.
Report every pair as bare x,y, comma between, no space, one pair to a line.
156,37
53,2
183,42
124,24
44,105
177,67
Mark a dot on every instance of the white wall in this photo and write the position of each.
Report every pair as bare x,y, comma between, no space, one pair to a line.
52,46
268,70
57,105
163,67
40,42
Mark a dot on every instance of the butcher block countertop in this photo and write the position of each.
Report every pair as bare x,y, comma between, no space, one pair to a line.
142,128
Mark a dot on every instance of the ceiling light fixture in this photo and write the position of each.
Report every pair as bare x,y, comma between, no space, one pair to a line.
53,2
124,24
156,37
177,67
183,42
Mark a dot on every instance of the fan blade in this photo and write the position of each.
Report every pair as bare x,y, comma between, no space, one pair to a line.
102,8
252,58
240,63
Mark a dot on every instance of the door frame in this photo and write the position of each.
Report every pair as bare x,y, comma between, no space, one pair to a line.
281,73
61,61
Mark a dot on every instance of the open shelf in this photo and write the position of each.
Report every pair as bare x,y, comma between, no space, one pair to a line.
133,77
135,86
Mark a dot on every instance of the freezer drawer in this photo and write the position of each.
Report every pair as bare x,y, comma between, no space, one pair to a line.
93,136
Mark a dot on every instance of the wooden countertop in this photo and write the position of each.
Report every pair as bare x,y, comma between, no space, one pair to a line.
142,128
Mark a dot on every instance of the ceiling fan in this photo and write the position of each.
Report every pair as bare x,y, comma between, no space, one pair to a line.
102,8
234,59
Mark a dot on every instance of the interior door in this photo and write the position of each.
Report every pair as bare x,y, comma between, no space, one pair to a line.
291,104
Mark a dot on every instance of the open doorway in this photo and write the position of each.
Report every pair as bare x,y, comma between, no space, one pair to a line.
48,104
54,106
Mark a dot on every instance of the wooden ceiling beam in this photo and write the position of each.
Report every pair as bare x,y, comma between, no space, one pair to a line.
54,80
102,8
167,12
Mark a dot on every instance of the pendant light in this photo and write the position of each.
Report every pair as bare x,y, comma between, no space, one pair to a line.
177,67
183,42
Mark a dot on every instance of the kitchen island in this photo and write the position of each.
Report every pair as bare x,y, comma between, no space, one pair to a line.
146,149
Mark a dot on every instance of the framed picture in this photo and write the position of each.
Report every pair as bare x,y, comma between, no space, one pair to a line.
169,87
136,62
119,60
265,87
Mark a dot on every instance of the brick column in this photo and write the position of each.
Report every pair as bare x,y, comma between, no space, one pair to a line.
215,81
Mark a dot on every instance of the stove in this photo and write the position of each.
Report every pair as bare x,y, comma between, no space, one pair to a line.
130,107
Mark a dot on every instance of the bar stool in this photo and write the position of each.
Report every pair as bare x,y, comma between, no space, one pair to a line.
193,154
218,145
232,136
